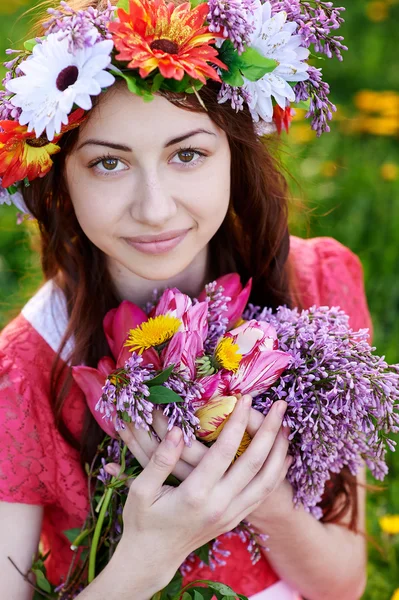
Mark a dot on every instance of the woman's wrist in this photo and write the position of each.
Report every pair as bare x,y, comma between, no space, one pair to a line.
129,574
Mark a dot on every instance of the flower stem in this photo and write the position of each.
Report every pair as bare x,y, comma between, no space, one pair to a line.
97,533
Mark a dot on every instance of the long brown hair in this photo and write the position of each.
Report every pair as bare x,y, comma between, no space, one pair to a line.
252,241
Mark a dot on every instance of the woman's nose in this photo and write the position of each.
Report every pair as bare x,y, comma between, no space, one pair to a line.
153,203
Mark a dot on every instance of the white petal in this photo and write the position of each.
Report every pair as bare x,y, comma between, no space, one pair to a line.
105,79
84,101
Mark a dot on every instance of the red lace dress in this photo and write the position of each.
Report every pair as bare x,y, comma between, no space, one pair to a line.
38,467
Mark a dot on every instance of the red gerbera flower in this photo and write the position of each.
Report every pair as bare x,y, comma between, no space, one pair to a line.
23,155
173,39
282,118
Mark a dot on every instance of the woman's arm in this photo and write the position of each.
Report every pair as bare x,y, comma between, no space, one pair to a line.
321,561
20,526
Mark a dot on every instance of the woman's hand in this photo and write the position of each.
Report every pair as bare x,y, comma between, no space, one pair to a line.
215,496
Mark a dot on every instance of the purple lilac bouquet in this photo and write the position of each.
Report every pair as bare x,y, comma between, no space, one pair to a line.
192,359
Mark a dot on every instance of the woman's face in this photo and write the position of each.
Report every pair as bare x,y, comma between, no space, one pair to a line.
150,184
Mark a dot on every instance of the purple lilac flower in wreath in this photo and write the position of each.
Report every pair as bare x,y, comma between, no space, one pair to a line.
231,18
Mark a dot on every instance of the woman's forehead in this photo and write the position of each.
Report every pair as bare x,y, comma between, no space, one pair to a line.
120,114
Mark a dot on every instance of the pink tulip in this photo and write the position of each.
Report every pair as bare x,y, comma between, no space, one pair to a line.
213,417
256,365
257,372
182,351
193,316
238,295
91,382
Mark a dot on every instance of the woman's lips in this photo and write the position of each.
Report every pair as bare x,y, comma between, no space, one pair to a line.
158,244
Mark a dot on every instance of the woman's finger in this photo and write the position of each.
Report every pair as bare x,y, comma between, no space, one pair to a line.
193,454
130,437
219,457
141,443
254,422
269,477
147,486
263,448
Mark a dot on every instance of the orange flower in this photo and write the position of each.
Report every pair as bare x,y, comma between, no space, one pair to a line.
173,39
23,156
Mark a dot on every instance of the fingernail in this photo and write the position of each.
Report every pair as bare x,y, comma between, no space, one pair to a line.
282,407
174,436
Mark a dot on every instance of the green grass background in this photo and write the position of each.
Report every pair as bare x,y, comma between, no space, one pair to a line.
345,185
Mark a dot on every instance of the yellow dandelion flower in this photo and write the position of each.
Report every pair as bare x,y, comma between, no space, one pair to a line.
390,524
227,354
390,172
152,333
395,595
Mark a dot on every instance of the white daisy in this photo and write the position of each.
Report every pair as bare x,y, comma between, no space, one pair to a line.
274,38
55,80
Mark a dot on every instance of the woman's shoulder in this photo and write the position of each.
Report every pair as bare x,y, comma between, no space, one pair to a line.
325,272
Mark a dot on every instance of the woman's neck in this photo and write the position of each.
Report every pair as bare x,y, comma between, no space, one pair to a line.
139,290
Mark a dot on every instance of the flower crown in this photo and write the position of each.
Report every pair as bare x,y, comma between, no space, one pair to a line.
256,50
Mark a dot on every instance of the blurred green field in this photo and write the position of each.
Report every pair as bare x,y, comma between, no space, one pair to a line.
347,185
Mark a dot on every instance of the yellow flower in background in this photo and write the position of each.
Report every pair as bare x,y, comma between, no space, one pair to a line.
390,524
152,333
329,169
381,126
386,102
389,172
302,134
8,8
395,595
377,11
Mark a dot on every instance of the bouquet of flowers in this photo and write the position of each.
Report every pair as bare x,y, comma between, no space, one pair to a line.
191,359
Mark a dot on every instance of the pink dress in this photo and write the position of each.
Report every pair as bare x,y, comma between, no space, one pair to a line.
38,467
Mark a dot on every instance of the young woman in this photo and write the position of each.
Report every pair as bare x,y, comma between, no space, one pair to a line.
144,195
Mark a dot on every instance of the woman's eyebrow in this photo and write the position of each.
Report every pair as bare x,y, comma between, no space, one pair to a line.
123,148
105,143
183,137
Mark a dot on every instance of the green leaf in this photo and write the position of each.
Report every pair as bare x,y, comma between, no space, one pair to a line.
163,395
254,66
233,78
206,593
161,378
41,581
135,84
123,4
157,82
30,44
72,534
198,595
203,553
303,104
195,3
252,58
222,588
186,596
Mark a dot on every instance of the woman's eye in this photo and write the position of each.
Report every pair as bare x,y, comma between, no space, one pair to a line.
187,156
109,164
